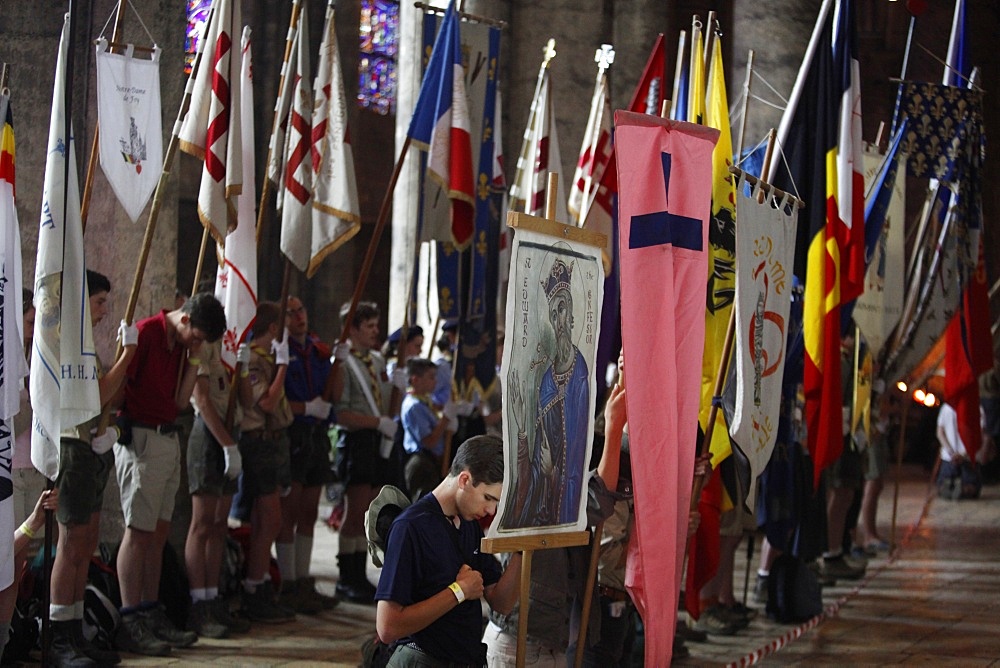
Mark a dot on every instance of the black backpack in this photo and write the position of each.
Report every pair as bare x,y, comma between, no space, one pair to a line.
794,594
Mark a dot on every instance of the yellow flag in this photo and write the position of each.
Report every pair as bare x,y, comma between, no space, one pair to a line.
721,244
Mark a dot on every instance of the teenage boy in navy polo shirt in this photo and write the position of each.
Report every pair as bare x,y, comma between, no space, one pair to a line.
147,462
434,574
309,372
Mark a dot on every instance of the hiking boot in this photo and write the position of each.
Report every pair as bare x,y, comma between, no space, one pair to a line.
260,606
307,587
63,651
221,613
103,657
201,621
688,633
157,621
840,569
295,596
135,637
824,579
714,623
760,590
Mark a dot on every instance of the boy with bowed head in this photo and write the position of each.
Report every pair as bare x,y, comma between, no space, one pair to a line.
434,573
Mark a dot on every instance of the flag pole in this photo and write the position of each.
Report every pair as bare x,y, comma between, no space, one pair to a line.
548,53
678,71
746,105
154,210
720,378
88,185
383,216
604,57
265,191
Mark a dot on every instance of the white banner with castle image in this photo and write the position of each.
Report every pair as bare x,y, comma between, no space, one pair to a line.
131,136
553,324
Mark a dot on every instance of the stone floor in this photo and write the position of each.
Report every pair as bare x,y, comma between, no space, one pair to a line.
936,602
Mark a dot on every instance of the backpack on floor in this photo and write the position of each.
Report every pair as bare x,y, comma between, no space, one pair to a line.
794,594
101,600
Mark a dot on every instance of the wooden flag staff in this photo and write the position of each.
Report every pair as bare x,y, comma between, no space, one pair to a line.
265,191
727,347
526,545
154,210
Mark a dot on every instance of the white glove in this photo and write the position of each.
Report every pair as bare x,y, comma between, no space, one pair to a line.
400,379
128,334
101,444
234,461
341,351
243,354
450,410
464,408
452,425
387,426
280,350
318,408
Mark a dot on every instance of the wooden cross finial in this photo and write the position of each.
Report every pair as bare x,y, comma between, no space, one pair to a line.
549,52
604,57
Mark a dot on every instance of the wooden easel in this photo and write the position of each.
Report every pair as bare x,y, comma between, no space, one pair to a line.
527,545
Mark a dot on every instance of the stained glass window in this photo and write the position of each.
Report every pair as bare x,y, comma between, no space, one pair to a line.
379,41
197,18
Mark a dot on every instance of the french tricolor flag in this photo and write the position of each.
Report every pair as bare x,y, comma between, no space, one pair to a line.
441,126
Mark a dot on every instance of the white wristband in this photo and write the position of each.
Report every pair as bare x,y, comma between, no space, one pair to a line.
456,589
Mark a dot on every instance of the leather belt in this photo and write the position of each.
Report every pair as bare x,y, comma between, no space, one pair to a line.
168,428
263,434
612,593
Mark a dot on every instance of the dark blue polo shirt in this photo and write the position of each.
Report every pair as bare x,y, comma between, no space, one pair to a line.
423,555
308,368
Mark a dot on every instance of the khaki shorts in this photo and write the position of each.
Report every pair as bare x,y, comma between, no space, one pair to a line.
736,521
206,463
28,486
83,476
149,472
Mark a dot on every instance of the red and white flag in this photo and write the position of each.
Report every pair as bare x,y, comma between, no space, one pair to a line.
539,155
336,214
589,201
665,195
210,128
295,198
236,282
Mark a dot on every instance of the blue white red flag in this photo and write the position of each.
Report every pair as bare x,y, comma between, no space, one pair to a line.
441,126
665,195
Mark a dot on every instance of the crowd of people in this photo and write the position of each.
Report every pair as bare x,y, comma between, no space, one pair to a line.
260,453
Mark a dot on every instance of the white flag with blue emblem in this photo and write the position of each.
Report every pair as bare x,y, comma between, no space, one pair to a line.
64,390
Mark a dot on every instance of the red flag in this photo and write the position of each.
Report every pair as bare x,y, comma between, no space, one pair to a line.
665,190
969,353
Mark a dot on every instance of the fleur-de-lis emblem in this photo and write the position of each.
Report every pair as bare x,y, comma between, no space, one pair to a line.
445,300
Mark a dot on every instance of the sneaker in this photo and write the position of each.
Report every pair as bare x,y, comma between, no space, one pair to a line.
713,623
840,568
740,610
157,621
295,597
221,613
135,637
825,579
735,615
307,587
760,590
260,606
202,622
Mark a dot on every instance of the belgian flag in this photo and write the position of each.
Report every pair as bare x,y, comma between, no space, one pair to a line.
820,136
